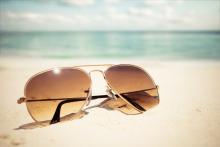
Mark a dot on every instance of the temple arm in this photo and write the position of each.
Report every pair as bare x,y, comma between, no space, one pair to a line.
23,99
133,102
56,116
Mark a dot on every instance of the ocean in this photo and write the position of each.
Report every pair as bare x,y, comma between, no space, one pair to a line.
112,44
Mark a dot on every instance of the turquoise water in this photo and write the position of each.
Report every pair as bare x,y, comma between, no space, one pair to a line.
147,45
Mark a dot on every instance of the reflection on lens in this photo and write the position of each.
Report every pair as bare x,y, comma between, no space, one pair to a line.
56,84
134,85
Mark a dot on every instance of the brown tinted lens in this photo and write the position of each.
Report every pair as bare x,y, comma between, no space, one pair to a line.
56,84
134,85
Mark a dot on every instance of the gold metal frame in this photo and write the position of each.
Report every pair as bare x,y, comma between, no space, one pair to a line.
89,96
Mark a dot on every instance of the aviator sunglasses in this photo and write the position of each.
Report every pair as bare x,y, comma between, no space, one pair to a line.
58,94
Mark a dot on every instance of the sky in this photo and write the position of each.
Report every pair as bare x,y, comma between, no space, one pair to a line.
65,15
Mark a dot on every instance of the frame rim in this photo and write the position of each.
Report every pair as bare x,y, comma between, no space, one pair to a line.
51,69
145,72
88,98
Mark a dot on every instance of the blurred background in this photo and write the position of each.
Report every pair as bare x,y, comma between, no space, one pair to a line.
125,29
176,41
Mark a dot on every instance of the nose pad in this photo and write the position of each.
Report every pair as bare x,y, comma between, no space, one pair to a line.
110,93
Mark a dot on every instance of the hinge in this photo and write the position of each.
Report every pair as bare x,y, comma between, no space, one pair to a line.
21,100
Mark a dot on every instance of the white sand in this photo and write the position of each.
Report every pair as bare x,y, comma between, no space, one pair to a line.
188,114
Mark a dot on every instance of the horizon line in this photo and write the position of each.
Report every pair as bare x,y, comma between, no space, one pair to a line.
153,31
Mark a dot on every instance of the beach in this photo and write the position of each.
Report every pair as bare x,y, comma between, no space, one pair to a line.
188,113
177,42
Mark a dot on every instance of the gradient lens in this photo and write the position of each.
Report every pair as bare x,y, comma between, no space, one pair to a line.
57,83
134,85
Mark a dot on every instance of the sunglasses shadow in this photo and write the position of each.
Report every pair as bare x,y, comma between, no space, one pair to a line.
108,104
41,124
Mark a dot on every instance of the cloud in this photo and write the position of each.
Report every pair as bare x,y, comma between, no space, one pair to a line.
159,15
116,14
113,1
111,18
78,2
42,21
155,2
163,2
31,17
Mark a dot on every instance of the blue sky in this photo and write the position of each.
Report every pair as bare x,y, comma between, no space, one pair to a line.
109,15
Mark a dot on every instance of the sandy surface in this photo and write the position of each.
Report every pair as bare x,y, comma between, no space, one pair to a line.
188,114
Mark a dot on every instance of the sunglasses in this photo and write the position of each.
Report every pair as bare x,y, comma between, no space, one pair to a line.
58,94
